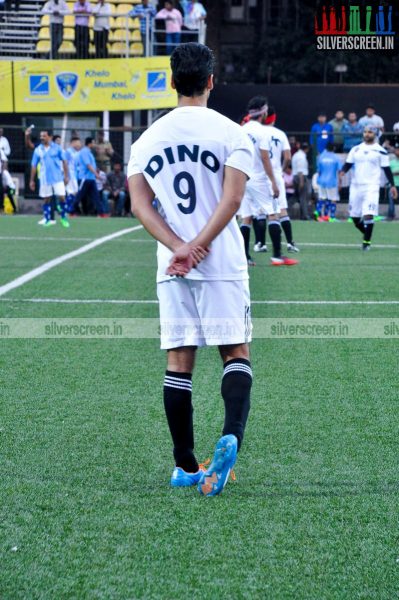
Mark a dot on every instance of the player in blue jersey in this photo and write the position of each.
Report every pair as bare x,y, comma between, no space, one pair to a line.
71,155
328,167
53,176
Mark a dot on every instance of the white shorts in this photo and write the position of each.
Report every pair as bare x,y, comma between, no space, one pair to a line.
282,197
56,189
258,199
204,313
329,194
363,200
72,187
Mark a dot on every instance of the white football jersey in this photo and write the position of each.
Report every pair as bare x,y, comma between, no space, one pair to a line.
182,156
275,142
256,133
367,160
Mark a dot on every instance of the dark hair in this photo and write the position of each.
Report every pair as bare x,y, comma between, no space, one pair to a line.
88,141
271,111
191,64
256,102
304,145
322,113
370,105
75,138
56,136
48,131
330,147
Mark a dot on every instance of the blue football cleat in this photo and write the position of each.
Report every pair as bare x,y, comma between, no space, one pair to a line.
215,477
181,478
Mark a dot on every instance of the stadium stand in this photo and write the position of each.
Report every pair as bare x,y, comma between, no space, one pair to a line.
26,34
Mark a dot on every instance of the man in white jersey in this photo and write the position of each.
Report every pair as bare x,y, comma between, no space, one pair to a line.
262,192
280,157
368,158
253,208
196,162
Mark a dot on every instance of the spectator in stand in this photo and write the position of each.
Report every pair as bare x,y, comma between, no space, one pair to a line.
4,144
337,124
294,145
100,183
370,119
103,151
102,13
88,192
352,131
173,25
300,171
82,10
145,12
394,164
321,133
56,9
115,190
194,16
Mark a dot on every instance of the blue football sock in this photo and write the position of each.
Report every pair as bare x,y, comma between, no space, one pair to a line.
63,209
327,208
69,202
47,211
319,207
333,209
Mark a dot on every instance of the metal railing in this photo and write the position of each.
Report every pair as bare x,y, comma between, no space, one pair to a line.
31,34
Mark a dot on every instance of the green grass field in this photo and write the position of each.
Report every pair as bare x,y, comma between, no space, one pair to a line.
86,511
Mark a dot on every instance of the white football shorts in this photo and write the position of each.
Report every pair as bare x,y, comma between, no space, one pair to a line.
282,197
72,187
204,313
258,199
363,200
56,189
331,194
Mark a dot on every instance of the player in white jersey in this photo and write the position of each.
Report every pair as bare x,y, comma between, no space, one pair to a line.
368,158
280,157
262,191
72,186
196,162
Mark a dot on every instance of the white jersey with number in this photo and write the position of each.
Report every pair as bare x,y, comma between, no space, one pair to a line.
182,156
256,133
276,142
367,160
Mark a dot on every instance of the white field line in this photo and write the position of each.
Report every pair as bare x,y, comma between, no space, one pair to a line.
86,239
269,302
15,283
63,239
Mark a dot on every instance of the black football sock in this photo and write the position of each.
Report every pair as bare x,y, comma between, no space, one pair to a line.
179,413
358,223
255,224
246,233
236,390
275,236
368,230
262,230
285,223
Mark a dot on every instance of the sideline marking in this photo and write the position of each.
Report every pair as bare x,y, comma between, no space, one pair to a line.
61,259
103,301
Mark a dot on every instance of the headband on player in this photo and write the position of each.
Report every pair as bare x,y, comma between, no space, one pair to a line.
270,119
257,112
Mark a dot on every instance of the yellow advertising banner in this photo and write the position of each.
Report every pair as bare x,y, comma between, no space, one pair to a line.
6,100
50,86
